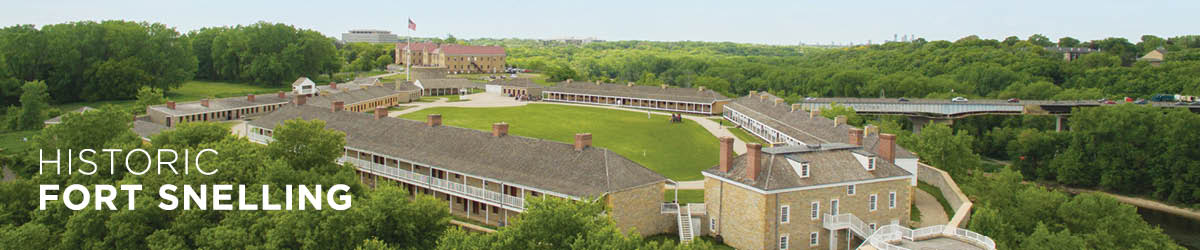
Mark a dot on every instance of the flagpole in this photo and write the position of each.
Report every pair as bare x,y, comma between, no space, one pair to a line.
408,56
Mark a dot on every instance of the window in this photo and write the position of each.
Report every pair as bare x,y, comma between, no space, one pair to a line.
871,163
812,238
850,190
784,213
891,200
804,169
833,207
871,201
712,225
872,226
783,241
816,210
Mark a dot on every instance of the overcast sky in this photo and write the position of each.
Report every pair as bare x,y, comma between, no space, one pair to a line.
768,22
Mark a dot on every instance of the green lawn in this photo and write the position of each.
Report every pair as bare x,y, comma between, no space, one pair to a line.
915,214
677,151
937,194
685,196
675,238
12,141
196,90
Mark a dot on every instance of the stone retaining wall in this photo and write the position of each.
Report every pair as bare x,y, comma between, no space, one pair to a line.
950,190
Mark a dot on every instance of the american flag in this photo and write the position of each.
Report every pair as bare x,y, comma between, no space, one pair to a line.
411,24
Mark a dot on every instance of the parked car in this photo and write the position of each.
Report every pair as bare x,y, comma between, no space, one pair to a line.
903,100
1102,100
1141,101
959,99
1109,102
1014,100
810,98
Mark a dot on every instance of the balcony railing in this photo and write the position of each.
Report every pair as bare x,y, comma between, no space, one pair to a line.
884,238
444,185
254,137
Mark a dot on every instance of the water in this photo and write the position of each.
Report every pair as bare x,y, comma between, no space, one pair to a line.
1184,231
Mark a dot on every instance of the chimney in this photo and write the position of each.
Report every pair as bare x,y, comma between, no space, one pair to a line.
380,112
701,89
597,82
338,106
499,129
582,141
434,120
778,101
762,97
204,102
870,130
814,113
753,160
663,86
753,92
630,84
856,136
282,95
301,100
333,85
570,80
726,153
887,147
797,106
839,120
250,98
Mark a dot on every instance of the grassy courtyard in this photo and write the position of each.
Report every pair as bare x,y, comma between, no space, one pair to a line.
196,90
15,141
685,196
678,151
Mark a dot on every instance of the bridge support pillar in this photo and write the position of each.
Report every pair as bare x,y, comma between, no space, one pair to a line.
920,122
1058,122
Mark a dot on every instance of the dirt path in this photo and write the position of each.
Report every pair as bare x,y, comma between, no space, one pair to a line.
931,211
7,175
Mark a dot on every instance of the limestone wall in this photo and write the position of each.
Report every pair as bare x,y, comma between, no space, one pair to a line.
950,190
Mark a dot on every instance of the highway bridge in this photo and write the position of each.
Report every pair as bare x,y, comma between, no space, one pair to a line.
924,111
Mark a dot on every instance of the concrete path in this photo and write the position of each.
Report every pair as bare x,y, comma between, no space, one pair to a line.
7,175
931,211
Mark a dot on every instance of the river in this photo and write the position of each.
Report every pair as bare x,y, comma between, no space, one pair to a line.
1184,231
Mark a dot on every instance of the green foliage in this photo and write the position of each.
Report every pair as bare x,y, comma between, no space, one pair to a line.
270,54
305,144
147,96
191,134
34,102
834,110
939,146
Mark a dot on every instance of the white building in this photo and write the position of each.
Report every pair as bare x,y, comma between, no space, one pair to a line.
370,36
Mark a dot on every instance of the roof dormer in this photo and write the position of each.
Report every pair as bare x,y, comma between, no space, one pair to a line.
802,167
868,160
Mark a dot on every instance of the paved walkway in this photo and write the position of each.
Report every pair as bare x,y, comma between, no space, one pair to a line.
931,211
7,175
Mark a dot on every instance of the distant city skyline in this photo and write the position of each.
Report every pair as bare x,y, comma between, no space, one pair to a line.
761,22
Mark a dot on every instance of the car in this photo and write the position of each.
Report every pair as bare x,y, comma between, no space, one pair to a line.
1141,101
1109,102
959,99
902,99
1181,103
1102,100
810,98
1014,100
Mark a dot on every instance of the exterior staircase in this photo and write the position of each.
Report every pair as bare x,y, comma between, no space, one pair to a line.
685,225
847,221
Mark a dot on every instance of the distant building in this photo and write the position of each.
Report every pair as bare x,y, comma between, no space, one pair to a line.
304,86
369,36
1071,54
453,58
576,40
1155,57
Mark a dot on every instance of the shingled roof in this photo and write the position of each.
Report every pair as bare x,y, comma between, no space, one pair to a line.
639,91
58,119
425,46
832,163
194,107
144,128
455,49
798,124
352,94
447,83
537,163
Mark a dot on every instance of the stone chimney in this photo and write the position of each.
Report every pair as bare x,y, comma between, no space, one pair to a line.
778,101
301,99
753,160
630,84
171,104
797,106
380,112
204,102
597,82
814,113
337,106
333,85
871,130
700,89
753,92
570,80
250,98
434,120
499,129
282,95
663,86
887,147
856,136
582,141
726,153
762,97
839,120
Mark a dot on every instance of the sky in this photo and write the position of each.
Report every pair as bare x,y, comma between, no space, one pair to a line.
762,22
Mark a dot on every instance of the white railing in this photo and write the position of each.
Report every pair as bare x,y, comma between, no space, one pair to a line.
697,208
977,238
840,221
443,185
685,226
254,137
669,208
887,235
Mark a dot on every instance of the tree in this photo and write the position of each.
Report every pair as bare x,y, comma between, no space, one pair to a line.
1097,60
1040,40
33,106
306,144
191,134
450,39
939,146
382,61
834,110
1068,42
393,217
147,96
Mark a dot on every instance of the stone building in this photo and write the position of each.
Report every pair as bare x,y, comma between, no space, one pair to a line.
446,86
662,98
486,176
452,58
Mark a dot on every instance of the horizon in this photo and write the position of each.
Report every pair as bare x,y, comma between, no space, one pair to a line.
810,23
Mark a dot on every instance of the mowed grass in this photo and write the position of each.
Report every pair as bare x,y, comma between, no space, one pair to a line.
675,238
676,150
685,196
196,90
12,141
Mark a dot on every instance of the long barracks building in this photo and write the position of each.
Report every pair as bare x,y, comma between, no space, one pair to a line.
662,98
486,176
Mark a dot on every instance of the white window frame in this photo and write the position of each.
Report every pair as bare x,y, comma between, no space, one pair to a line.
783,242
813,238
892,200
805,169
871,163
873,202
712,225
785,214
815,210
851,189
833,207
873,226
